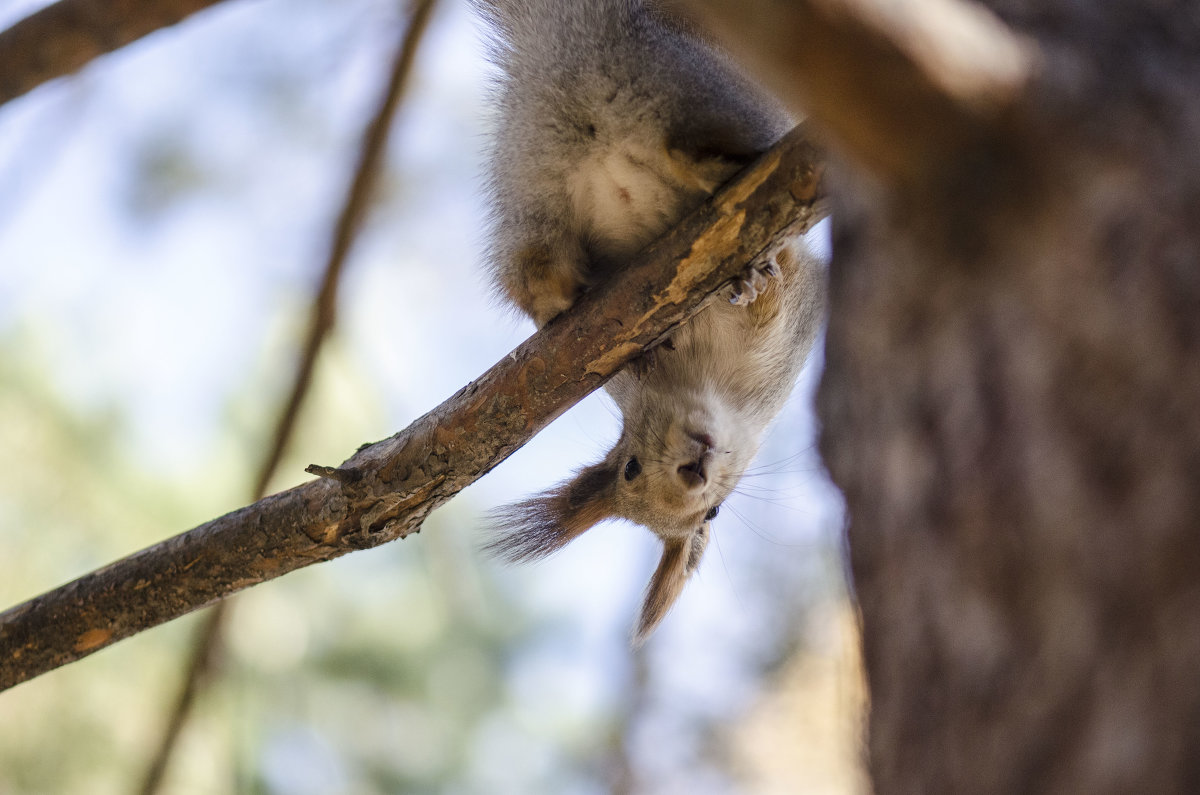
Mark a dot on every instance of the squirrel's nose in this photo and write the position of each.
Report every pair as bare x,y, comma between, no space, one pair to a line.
695,473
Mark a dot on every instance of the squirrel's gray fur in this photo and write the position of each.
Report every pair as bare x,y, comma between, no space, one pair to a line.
613,121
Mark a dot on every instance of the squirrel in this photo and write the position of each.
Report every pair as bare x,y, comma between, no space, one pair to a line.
614,120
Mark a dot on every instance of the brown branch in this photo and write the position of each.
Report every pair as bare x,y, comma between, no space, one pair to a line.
64,37
207,644
398,481
899,87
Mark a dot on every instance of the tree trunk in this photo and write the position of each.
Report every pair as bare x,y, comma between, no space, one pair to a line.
1011,404
1011,399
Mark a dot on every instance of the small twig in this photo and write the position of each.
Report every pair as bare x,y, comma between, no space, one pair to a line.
322,315
343,476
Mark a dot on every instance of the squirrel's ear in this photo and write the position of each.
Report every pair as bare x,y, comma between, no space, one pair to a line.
680,558
536,527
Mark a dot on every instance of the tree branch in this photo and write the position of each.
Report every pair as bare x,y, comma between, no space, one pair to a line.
899,87
64,37
385,490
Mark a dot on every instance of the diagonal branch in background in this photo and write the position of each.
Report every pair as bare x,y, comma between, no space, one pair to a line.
62,38
207,644
349,222
385,490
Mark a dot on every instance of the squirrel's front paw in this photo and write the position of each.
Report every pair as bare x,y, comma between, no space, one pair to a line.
751,283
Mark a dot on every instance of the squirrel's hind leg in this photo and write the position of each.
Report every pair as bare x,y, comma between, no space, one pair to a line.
545,279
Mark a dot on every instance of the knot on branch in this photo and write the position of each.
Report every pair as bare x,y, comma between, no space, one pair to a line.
344,475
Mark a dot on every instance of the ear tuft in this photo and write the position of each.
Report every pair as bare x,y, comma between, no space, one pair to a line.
679,560
539,526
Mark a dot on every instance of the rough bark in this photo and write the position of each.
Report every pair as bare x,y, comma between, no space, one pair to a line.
1011,404
385,490
63,37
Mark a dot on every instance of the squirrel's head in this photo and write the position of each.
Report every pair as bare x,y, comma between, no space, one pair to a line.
670,471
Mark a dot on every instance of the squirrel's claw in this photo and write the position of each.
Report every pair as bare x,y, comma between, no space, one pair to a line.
747,287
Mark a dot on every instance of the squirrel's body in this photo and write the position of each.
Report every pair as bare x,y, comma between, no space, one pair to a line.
613,123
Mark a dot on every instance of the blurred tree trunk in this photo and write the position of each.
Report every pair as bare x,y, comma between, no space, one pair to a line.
1012,407
1011,403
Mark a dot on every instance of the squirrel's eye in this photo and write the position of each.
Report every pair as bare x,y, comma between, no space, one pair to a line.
632,469
712,513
